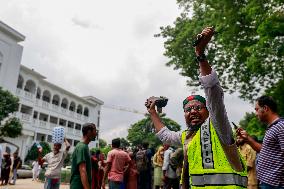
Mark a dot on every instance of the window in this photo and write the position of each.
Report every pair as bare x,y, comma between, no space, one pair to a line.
35,115
49,138
78,126
20,83
30,87
56,100
62,122
46,96
86,112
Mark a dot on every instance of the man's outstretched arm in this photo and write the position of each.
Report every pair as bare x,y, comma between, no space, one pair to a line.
248,139
163,133
213,91
215,102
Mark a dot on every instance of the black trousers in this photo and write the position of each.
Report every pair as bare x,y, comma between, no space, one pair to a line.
171,183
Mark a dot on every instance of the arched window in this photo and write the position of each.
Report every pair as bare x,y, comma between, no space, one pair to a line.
64,103
80,109
86,112
38,93
46,96
30,86
56,100
20,83
72,106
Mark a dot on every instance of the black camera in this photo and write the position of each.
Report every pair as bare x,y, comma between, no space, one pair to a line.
160,102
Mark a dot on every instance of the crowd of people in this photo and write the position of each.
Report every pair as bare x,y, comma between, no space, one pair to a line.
9,166
205,155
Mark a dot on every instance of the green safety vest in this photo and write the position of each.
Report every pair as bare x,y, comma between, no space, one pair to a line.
208,164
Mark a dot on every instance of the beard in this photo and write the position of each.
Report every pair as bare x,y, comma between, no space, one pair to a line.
194,127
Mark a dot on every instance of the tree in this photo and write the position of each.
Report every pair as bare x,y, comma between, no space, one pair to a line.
143,131
252,125
33,152
124,143
103,150
10,126
67,160
277,92
102,143
248,50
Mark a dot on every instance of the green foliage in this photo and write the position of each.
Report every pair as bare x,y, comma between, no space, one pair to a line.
8,103
143,131
124,143
67,160
252,125
33,152
10,126
248,50
104,150
277,92
102,143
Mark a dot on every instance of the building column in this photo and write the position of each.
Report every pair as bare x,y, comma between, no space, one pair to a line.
19,108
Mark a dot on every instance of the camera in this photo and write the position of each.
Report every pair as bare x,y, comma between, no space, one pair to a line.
160,102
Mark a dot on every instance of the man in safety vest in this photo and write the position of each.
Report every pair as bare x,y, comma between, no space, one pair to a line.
211,156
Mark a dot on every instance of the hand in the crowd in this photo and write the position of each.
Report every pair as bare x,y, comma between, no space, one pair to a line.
67,144
206,34
150,104
242,133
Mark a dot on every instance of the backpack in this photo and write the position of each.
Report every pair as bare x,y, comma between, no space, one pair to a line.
141,160
176,158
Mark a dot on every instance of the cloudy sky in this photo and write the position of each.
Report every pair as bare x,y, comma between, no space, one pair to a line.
106,49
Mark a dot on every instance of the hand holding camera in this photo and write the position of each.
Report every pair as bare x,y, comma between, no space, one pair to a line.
203,39
153,101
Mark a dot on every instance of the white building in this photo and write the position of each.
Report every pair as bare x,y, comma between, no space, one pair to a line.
43,105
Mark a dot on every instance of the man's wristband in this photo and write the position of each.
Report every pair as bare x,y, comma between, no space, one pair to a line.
201,58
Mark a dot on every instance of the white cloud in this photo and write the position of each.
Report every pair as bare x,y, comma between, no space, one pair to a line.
105,49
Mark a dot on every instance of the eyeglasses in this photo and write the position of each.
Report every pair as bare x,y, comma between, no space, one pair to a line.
196,108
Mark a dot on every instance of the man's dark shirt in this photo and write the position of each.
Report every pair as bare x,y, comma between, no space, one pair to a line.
17,163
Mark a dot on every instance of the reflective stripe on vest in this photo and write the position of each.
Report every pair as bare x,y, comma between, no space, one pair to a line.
206,147
218,179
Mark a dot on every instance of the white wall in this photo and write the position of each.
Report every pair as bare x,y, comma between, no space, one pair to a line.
10,65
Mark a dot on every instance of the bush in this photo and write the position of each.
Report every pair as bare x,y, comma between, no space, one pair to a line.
33,152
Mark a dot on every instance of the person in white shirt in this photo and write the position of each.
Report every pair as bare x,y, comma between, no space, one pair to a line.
36,169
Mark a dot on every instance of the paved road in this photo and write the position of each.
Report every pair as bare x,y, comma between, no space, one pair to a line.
29,184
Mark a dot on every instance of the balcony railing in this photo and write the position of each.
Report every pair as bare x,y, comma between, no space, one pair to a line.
22,116
24,94
45,104
55,107
50,126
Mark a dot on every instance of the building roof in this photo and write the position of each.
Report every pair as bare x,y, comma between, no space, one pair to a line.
10,31
88,99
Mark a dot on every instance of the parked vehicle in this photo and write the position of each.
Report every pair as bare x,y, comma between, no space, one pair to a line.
25,172
67,168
